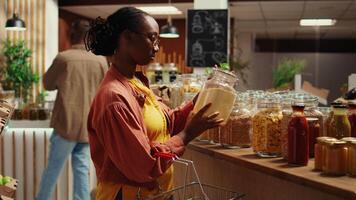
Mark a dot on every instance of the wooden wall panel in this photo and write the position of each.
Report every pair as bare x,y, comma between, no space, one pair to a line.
33,13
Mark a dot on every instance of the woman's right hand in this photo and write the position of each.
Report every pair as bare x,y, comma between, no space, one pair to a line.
199,122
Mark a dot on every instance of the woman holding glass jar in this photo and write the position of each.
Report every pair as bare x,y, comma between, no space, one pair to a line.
127,124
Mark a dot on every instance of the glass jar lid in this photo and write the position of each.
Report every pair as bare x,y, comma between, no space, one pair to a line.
353,143
323,139
348,140
335,103
336,143
312,119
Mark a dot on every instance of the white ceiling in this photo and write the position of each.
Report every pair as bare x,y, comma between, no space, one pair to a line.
272,19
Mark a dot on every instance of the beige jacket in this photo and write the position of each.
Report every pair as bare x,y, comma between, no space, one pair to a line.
76,74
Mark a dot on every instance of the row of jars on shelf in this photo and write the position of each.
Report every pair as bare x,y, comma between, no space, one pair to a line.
335,157
274,124
269,124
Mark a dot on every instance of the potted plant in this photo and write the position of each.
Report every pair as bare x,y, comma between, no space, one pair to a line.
18,74
283,76
42,113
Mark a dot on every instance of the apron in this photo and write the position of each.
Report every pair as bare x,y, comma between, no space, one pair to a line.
156,125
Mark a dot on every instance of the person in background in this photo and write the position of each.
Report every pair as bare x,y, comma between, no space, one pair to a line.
75,74
128,125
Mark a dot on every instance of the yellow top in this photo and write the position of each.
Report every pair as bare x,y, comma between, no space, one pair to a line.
156,125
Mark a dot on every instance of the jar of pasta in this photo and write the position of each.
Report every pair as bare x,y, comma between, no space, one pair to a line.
238,130
266,127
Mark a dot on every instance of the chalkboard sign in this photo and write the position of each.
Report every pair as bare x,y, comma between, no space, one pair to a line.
207,37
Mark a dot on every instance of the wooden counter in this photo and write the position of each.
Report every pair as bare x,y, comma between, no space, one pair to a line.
265,178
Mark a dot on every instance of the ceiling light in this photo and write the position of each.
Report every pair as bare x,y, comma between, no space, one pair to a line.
168,30
317,22
15,24
161,10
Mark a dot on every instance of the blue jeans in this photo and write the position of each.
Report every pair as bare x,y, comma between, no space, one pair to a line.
60,150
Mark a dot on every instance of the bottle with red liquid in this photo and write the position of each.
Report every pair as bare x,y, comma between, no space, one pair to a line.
352,118
298,137
314,132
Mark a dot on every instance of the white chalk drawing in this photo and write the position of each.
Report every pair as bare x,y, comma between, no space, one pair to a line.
217,29
218,57
197,26
208,42
197,49
199,55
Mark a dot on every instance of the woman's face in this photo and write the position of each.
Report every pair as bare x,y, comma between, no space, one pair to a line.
144,42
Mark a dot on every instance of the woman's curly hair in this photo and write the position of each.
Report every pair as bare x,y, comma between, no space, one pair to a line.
102,37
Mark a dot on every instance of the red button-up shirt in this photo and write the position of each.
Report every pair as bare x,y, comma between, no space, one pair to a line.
121,151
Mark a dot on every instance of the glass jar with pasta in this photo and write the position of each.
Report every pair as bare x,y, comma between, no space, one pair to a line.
266,127
237,132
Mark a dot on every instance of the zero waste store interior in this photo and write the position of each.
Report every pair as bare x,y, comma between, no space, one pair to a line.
284,82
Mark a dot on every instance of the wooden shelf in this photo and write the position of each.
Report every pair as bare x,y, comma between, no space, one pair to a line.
342,186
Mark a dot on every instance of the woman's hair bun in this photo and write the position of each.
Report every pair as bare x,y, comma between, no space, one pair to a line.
99,38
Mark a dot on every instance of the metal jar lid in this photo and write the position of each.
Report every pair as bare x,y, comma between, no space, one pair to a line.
325,139
337,143
348,140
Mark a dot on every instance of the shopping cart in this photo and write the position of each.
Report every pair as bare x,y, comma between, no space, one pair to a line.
193,190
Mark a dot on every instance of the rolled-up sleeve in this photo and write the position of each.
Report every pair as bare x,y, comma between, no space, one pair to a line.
129,148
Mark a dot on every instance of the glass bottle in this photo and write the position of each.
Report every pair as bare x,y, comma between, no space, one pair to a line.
266,127
191,86
339,126
158,70
287,115
311,110
326,111
331,114
177,92
238,130
173,71
165,73
298,137
335,158
220,92
150,73
314,133
352,118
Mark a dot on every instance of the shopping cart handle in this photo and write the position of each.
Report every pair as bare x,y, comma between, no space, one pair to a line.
165,155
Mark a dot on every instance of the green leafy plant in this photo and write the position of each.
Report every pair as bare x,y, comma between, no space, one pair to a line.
286,70
224,66
18,72
41,98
